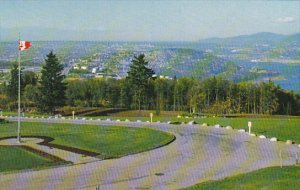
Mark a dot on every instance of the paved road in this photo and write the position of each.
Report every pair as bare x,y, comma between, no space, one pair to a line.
198,154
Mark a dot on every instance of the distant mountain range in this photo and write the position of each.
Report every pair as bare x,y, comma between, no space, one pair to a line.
263,37
262,47
38,34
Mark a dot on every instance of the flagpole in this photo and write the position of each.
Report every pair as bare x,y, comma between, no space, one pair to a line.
19,95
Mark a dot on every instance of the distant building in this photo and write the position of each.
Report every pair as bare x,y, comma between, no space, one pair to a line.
94,70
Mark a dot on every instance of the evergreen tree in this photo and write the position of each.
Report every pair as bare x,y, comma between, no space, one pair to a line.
30,78
52,88
13,86
138,77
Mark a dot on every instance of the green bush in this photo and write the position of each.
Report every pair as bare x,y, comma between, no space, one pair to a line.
2,120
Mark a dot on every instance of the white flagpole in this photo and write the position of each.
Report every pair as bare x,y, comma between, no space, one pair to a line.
19,95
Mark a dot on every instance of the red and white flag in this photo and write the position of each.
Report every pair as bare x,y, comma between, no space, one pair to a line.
23,45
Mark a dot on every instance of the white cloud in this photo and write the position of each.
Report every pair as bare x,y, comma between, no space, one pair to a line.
287,19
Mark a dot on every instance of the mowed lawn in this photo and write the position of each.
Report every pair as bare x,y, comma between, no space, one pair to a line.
274,178
108,142
17,158
283,128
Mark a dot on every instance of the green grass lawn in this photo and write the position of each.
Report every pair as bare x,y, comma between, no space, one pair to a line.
274,178
109,142
15,113
17,158
283,128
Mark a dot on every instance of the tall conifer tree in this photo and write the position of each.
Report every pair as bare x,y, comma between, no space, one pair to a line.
138,77
13,85
52,89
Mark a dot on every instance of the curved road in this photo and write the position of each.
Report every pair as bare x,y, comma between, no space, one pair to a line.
198,154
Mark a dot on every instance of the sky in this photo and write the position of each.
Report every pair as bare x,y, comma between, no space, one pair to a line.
152,20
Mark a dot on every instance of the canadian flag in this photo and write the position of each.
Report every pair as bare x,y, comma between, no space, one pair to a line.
23,45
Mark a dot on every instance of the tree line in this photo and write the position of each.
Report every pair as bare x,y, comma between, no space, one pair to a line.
44,93
142,90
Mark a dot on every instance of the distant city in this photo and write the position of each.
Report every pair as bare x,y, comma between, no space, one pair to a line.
258,57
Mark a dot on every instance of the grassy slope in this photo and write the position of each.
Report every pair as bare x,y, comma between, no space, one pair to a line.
283,128
107,141
16,158
274,178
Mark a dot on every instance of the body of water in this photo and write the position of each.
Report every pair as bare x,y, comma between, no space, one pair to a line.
288,74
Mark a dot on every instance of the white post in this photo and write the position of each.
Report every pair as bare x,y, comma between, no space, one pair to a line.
19,96
1,114
73,112
249,126
151,116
